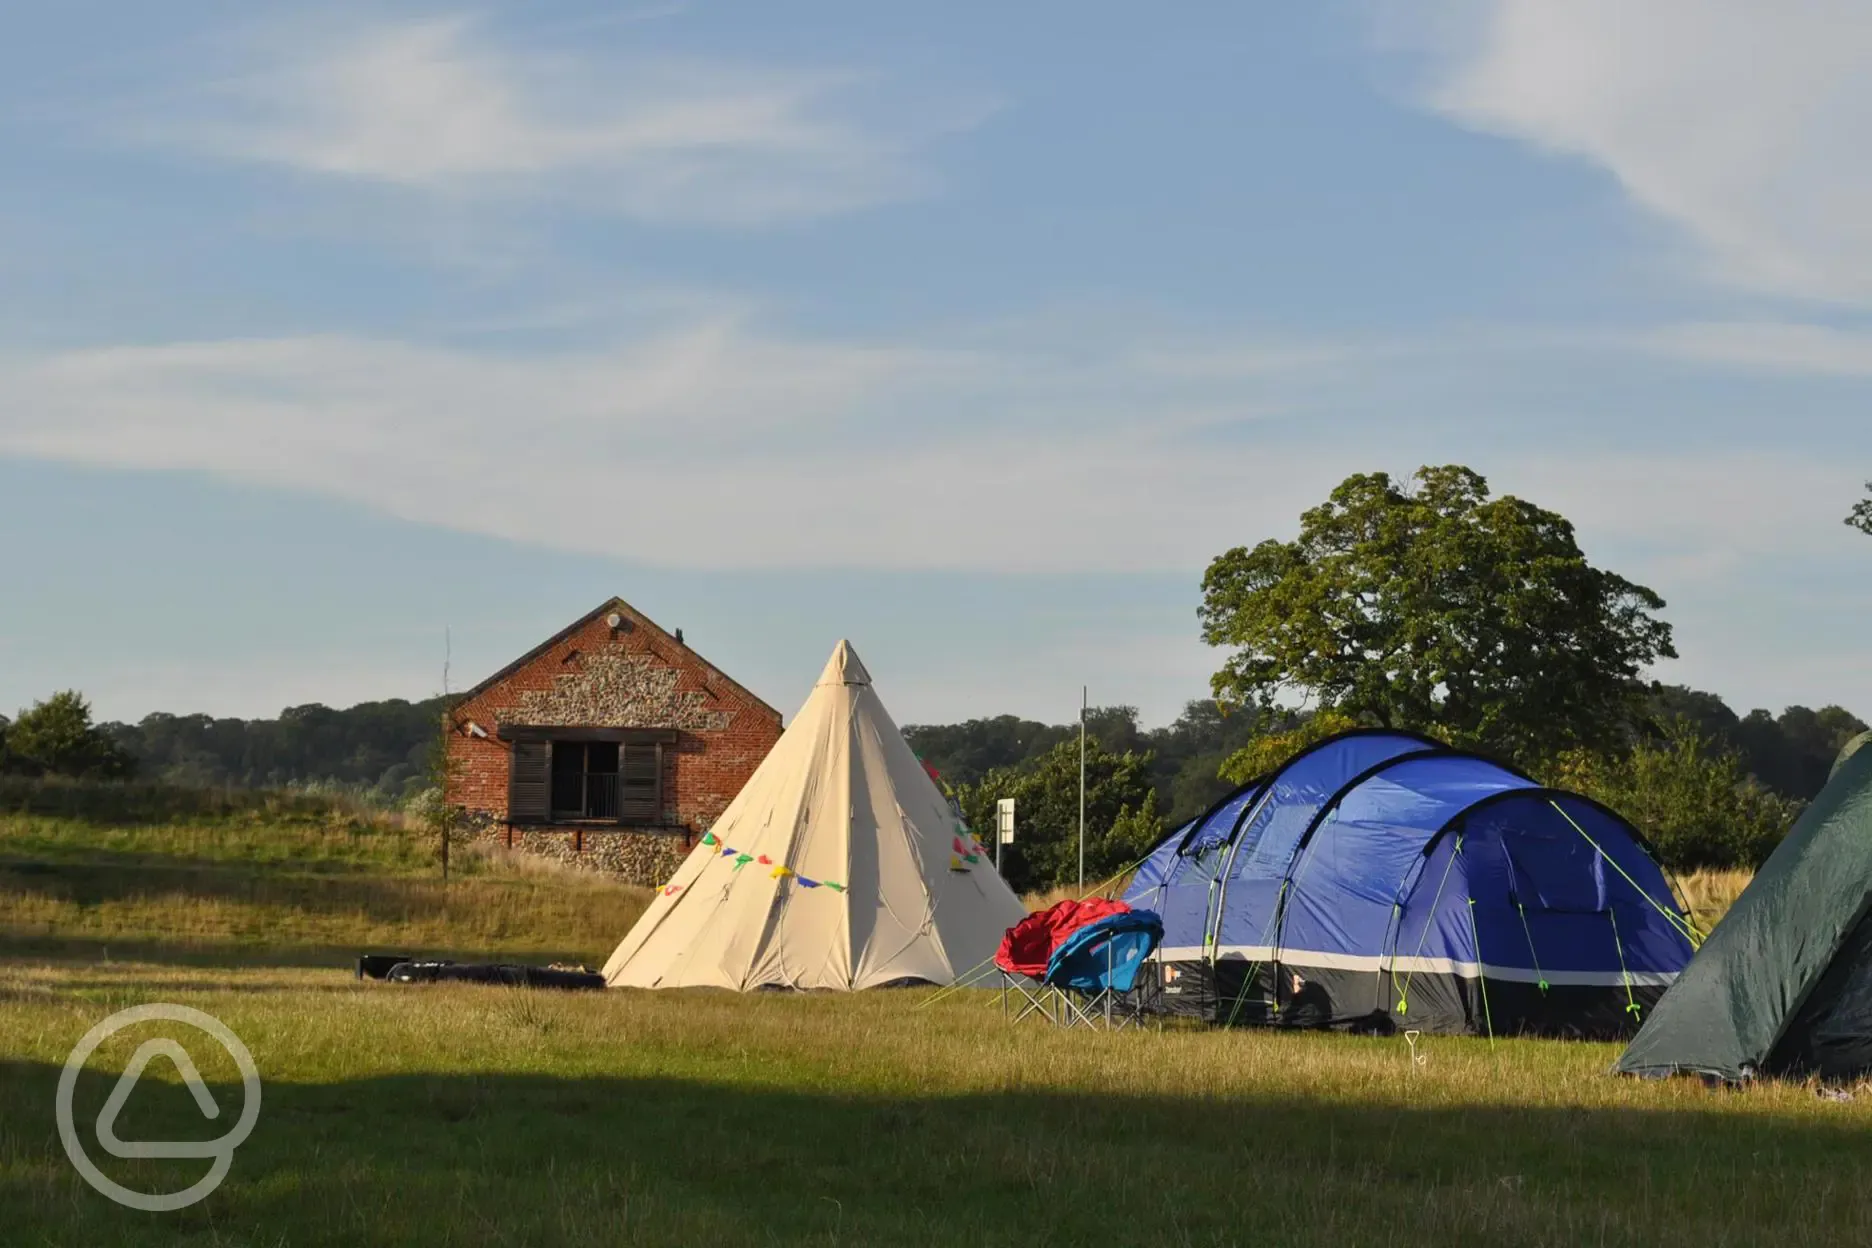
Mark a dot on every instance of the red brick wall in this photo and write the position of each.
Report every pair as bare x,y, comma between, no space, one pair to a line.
635,676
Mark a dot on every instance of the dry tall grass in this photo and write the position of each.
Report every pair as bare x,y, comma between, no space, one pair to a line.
300,890
331,838
210,915
1710,893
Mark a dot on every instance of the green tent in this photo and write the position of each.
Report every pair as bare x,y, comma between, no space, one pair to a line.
1783,986
1852,747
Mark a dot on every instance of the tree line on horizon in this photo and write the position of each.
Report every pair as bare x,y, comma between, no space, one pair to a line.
1789,754
378,751
381,747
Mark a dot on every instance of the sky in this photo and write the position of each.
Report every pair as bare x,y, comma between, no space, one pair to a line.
347,351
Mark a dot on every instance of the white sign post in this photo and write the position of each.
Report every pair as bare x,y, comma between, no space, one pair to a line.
1004,824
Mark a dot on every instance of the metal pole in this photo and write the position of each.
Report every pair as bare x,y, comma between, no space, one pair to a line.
1082,752
442,816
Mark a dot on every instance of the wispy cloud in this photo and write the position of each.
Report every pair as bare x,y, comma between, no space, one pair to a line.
448,107
1770,346
1742,123
750,449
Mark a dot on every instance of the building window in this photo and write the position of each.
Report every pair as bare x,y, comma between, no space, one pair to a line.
584,780
586,776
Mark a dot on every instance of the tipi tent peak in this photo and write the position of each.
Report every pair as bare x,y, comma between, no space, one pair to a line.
844,668
840,865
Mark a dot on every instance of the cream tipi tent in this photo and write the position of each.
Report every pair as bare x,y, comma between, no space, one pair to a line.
840,865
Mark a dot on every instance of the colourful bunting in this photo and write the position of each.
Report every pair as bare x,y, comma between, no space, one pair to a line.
955,863
672,890
960,848
780,871
708,838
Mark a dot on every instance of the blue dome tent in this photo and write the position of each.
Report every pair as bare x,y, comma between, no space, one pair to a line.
1380,880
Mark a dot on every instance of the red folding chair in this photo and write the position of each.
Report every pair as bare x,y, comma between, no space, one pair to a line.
1028,947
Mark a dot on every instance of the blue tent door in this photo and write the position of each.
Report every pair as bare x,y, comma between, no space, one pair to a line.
1553,870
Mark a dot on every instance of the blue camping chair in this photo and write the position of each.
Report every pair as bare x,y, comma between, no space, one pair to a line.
1094,970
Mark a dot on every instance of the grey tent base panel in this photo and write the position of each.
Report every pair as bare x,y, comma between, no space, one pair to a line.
1438,1004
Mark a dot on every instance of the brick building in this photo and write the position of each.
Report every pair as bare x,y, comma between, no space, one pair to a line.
611,744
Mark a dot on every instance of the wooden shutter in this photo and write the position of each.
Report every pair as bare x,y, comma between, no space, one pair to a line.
529,782
640,783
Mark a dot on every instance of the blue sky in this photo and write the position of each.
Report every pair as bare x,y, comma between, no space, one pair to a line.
970,332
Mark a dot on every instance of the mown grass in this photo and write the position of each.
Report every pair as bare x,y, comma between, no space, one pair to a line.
480,1116
457,1115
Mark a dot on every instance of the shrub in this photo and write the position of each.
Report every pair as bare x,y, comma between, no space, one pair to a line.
1693,800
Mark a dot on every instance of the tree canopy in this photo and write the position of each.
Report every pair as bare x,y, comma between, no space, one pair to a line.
1120,814
1861,516
1435,607
56,737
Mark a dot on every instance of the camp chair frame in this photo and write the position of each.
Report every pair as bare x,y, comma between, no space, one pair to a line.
1106,1009
1027,995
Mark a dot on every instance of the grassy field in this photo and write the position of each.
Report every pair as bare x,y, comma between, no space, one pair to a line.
303,885
481,1116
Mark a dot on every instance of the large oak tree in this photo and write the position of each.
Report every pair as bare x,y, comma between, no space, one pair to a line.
1430,605
1861,516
